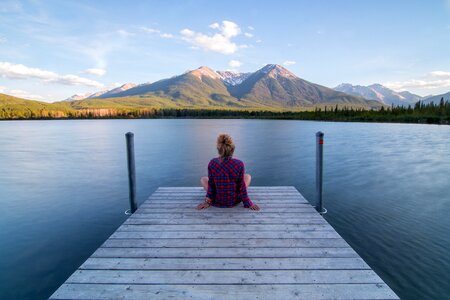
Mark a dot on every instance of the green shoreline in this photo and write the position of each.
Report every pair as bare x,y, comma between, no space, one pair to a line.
12,108
424,115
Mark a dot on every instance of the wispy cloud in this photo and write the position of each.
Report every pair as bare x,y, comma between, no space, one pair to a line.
163,35
20,93
19,71
248,34
433,80
125,33
441,74
234,63
166,35
220,41
289,62
24,94
95,71
3,40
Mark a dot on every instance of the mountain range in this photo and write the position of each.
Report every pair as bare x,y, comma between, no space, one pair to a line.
103,93
436,99
271,87
380,93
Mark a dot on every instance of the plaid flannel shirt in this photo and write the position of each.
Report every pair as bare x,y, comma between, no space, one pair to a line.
226,186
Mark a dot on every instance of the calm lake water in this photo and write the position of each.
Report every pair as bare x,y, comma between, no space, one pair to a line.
63,189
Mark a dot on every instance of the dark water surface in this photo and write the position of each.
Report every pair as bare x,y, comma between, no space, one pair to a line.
63,189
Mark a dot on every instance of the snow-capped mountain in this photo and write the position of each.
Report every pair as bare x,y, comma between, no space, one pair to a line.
380,93
78,97
102,93
111,93
233,78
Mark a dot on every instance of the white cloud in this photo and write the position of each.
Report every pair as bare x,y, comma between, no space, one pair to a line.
3,40
250,28
234,63
157,31
124,33
149,30
2,89
433,80
248,34
18,71
289,62
416,84
214,25
258,41
440,74
23,94
95,71
115,85
166,35
219,42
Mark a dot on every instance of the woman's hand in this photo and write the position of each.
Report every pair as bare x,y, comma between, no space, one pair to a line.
205,204
255,207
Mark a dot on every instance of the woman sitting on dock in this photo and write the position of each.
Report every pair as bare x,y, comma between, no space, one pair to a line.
226,184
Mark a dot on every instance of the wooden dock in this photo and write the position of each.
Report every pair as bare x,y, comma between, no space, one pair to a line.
168,249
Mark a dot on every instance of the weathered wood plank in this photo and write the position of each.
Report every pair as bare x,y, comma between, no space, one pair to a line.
154,220
226,235
234,211
323,263
194,203
225,214
286,201
251,188
223,276
192,195
224,252
228,243
252,197
224,227
243,292
149,204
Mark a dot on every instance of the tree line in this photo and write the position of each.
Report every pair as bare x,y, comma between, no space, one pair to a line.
419,113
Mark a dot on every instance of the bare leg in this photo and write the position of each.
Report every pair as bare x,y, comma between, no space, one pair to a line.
247,179
204,182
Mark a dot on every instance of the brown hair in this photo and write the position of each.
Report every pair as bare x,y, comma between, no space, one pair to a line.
225,146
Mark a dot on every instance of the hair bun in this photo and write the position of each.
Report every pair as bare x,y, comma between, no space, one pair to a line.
225,139
225,145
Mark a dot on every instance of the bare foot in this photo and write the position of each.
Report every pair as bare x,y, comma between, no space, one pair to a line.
203,205
255,207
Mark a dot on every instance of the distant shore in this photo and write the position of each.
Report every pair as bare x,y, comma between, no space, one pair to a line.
425,114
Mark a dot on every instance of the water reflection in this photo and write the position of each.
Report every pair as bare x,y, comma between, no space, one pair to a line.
63,189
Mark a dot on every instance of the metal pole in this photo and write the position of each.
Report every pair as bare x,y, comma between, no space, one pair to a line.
131,172
319,172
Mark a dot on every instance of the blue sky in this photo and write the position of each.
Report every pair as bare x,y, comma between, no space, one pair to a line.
50,50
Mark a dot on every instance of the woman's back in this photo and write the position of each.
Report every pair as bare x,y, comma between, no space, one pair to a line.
226,186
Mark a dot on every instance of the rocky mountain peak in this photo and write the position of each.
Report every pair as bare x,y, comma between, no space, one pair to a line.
274,71
205,71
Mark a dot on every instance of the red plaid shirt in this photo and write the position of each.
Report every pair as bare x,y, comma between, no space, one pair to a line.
226,186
